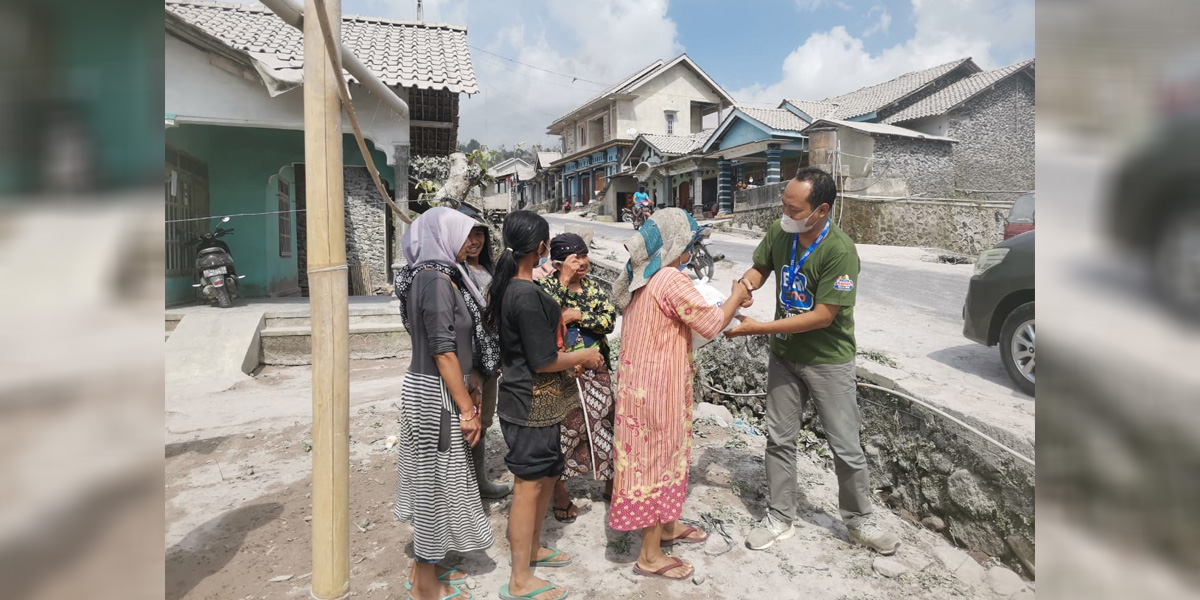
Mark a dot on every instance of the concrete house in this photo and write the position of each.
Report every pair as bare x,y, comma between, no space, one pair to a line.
509,188
673,175
545,185
673,97
991,115
929,158
235,141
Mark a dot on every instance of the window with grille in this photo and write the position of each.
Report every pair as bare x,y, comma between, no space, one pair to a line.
186,203
670,123
285,218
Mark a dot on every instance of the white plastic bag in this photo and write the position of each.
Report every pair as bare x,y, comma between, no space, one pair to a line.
714,297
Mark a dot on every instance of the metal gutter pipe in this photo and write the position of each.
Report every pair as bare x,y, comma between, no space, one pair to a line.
294,15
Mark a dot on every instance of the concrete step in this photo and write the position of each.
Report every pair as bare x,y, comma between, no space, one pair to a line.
172,321
212,351
368,341
379,314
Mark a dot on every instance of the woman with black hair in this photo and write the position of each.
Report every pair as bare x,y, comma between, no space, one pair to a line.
535,394
479,267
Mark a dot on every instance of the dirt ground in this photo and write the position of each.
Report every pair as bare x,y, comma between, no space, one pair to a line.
238,494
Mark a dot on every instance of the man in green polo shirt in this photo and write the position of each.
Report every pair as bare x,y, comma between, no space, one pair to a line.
812,356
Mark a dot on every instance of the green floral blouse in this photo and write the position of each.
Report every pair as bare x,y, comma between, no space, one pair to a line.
599,314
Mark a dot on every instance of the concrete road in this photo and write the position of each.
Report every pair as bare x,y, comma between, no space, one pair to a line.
939,295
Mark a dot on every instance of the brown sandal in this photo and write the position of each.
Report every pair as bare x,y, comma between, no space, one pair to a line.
675,564
684,539
563,515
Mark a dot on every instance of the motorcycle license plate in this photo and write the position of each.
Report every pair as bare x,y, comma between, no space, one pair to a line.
213,272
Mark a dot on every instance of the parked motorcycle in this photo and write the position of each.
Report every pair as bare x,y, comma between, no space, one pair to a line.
703,260
218,280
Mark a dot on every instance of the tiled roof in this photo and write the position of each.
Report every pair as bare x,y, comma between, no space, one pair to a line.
879,129
775,118
814,108
958,92
400,53
512,165
545,158
677,144
870,99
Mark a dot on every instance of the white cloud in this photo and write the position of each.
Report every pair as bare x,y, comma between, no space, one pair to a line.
882,25
833,62
600,43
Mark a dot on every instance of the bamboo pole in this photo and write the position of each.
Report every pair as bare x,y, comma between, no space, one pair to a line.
330,311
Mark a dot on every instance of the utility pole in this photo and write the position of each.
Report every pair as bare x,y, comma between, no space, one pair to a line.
330,312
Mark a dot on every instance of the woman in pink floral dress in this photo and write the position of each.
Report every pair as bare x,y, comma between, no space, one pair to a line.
653,426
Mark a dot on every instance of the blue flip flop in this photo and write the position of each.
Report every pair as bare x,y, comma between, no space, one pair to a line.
507,596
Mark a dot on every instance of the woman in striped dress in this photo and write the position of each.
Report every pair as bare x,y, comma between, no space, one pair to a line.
437,491
653,427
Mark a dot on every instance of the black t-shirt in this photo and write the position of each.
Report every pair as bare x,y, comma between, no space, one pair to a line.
531,335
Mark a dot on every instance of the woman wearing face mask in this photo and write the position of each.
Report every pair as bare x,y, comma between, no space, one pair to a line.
439,414
589,316
654,391
479,268
535,394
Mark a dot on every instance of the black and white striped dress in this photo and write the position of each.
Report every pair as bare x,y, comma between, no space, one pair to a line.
436,490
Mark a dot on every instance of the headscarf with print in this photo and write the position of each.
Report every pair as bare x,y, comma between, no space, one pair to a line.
664,237
433,242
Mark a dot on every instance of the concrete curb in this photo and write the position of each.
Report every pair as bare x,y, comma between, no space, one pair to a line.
893,379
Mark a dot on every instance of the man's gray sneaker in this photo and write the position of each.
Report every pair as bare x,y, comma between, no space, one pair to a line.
868,532
767,532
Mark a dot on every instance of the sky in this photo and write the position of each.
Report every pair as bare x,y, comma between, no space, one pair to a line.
760,51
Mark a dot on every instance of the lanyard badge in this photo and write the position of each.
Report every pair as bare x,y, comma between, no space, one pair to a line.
794,297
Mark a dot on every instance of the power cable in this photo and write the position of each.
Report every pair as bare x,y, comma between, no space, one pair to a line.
918,402
572,77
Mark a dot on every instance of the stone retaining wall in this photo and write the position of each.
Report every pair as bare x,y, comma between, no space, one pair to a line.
962,226
925,467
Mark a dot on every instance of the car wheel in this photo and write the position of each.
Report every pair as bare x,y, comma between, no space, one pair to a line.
1177,262
1017,337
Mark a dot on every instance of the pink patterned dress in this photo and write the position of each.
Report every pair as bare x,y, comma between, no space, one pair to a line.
653,426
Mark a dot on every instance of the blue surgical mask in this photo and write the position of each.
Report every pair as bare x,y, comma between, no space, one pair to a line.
683,265
542,261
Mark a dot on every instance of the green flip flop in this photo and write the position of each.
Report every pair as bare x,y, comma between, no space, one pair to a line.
507,596
444,578
457,593
549,560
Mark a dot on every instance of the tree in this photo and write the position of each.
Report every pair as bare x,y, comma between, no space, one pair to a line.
469,147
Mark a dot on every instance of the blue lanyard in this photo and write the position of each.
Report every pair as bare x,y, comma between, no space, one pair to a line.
796,239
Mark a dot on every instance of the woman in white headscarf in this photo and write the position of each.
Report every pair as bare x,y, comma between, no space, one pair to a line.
437,490
653,425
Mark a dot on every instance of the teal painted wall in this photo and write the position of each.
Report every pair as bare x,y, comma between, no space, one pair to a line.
742,132
244,165
103,61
